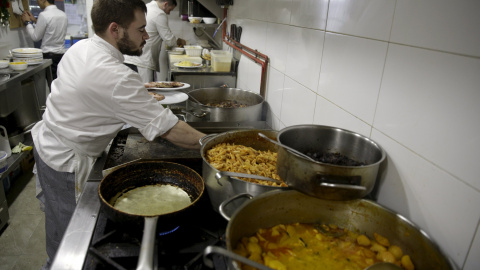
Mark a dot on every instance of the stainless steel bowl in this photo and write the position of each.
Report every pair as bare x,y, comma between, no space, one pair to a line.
323,180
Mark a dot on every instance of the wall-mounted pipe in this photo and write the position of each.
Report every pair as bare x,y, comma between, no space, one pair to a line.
254,55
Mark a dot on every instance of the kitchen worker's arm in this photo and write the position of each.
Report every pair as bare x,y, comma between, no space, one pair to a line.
184,135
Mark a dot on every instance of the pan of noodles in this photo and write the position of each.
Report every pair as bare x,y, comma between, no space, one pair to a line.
242,151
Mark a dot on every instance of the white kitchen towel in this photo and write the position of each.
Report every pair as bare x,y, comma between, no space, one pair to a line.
17,7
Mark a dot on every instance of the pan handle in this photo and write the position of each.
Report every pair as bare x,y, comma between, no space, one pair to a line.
218,250
145,260
222,206
362,188
206,138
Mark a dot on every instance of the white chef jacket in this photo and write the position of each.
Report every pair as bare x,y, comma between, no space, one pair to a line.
94,95
51,28
158,30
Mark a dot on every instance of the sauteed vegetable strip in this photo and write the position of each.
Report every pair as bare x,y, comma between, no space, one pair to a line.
304,246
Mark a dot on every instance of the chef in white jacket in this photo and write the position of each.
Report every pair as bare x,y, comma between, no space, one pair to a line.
159,32
94,96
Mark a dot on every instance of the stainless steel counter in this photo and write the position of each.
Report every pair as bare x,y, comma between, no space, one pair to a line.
18,76
11,96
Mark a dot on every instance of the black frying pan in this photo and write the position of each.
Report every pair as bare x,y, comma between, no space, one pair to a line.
142,173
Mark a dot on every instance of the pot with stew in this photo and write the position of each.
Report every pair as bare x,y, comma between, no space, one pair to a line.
292,230
344,167
219,104
149,194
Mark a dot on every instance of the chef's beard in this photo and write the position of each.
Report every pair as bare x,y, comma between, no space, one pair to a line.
125,46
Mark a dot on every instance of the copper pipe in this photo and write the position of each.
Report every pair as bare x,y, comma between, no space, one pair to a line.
250,53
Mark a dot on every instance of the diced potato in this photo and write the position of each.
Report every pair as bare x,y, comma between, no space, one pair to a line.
396,251
386,256
363,240
377,247
381,240
254,248
407,263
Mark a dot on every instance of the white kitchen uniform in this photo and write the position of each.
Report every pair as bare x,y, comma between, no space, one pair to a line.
92,99
51,28
159,31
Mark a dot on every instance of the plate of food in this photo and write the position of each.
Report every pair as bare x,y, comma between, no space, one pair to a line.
166,86
188,64
172,97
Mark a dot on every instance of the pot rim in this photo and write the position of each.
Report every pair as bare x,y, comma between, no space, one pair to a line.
382,151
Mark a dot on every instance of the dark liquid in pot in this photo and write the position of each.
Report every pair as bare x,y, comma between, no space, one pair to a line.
334,158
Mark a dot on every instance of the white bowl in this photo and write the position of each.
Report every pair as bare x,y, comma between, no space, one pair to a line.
4,63
18,65
195,19
209,20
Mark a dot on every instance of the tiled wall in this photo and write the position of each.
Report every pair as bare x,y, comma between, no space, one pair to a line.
404,73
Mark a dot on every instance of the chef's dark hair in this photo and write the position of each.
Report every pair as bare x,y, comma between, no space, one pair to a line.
104,12
52,2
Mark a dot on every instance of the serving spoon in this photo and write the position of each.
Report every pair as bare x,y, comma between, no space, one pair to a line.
286,147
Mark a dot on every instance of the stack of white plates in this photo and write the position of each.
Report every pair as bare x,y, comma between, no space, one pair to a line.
32,56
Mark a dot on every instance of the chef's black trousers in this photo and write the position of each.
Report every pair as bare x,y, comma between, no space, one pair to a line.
56,57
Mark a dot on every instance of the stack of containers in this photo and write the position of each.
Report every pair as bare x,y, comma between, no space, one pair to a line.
32,56
221,60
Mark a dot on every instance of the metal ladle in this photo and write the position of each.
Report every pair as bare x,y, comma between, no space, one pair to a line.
287,147
220,174
194,99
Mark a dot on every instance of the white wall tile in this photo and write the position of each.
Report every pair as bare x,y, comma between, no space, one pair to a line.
438,24
298,104
364,18
351,73
444,207
429,102
473,260
253,34
254,76
274,94
304,55
279,11
276,47
329,114
242,74
309,13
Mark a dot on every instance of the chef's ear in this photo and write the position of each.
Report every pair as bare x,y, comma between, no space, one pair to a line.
114,29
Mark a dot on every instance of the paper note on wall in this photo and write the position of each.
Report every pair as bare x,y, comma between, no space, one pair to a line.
72,15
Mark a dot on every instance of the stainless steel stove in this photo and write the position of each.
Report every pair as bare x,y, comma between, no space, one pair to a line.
92,241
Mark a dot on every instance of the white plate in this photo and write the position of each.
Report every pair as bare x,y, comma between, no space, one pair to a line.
172,97
30,61
26,50
200,65
185,86
28,55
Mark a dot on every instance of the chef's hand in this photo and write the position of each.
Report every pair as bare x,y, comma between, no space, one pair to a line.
181,42
28,16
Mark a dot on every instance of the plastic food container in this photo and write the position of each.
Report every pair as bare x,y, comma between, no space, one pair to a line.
221,60
193,50
3,161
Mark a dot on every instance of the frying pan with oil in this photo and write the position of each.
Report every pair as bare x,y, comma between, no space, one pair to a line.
144,173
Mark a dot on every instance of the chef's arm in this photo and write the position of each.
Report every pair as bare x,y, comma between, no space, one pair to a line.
184,135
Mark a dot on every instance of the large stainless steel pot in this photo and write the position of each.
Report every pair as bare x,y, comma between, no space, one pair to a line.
328,181
226,187
203,113
361,216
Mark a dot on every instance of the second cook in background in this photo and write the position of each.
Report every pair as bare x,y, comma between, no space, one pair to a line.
159,31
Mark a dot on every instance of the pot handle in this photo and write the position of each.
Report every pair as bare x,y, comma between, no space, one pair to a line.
206,138
145,259
222,206
335,181
218,250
